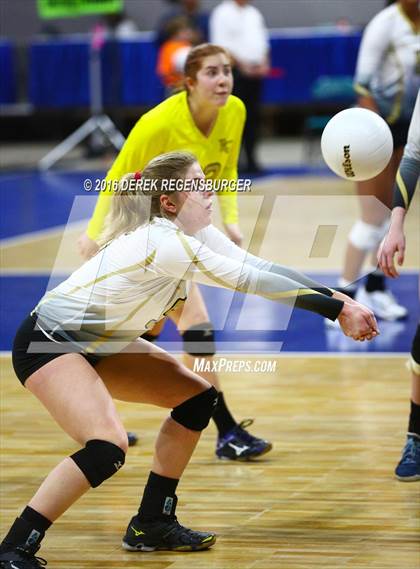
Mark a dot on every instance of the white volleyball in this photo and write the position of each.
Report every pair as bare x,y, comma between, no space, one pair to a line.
357,144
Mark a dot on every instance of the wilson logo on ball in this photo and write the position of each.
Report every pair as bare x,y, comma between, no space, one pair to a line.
356,144
347,165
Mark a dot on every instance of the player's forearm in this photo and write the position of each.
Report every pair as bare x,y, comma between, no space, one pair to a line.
398,217
406,182
205,266
343,297
288,291
301,278
325,306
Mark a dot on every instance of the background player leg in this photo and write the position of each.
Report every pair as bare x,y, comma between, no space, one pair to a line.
373,214
234,441
249,91
408,469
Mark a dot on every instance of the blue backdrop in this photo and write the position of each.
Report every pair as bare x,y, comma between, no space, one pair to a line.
59,70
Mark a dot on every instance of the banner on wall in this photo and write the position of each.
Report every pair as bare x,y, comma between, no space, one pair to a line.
48,9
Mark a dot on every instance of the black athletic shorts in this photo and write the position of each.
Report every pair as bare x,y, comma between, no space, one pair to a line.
399,131
415,348
24,363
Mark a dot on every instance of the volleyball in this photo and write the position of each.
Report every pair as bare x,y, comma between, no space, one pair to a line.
357,144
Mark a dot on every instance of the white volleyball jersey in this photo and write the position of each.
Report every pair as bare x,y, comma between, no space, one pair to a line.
412,149
409,169
139,277
388,65
134,281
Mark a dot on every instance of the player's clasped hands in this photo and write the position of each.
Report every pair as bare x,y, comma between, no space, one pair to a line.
358,322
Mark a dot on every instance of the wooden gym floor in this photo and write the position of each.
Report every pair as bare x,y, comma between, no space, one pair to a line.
324,497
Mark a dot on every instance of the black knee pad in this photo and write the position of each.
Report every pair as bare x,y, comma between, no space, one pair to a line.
415,348
99,460
195,413
199,340
150,337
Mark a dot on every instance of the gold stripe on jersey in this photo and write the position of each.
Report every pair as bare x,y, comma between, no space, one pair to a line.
143,264
362,90
396,107
203,269
402,188
92,347
200,265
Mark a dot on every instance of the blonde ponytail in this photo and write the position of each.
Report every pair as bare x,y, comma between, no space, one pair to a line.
127,212
131,206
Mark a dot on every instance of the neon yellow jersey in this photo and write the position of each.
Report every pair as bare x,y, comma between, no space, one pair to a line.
169,126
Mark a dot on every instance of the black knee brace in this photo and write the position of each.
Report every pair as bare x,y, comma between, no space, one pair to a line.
195,413
199,340
99,460
415,348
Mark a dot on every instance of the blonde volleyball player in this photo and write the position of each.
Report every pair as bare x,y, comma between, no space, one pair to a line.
387,80
80,348
408,468
208,121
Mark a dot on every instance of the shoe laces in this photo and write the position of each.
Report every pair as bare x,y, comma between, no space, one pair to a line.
244,435
179,530
237,433
411,450
28,555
